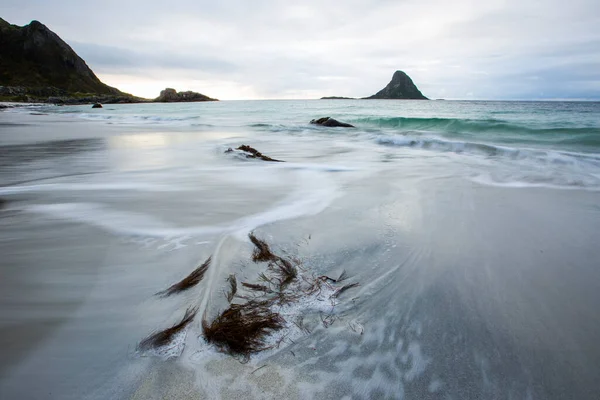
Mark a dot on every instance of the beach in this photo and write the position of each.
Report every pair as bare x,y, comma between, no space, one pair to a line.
470,227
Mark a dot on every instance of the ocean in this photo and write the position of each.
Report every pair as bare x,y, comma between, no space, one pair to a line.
470,228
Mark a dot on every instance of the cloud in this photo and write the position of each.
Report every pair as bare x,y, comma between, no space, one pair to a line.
498,49
116,58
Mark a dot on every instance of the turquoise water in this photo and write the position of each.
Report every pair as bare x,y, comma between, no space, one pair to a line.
471,228
568,126
553,143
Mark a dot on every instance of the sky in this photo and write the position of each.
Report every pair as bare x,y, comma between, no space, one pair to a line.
271,49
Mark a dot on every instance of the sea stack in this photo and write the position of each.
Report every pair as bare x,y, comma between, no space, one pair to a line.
400,87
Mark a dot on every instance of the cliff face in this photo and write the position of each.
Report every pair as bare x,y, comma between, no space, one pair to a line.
172,96
400,87
33,56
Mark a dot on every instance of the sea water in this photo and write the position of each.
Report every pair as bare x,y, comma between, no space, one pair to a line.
471,228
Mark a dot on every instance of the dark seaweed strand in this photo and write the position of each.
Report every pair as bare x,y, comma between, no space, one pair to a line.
255,287
262,251
232,287
188,282
343,289
163,337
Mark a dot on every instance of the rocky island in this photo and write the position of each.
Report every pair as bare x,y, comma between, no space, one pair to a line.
401,87
337,98
172,96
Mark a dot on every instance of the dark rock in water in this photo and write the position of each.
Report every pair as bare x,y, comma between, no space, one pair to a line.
337,98
251,152
2,203
97,105
328,121
400,87
172,96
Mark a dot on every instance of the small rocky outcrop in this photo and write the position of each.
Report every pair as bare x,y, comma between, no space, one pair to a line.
337,98
400,87
251,152
330,122
172,96
97,105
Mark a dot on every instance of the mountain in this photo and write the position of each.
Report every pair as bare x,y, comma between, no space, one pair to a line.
33,56
38,66
400,87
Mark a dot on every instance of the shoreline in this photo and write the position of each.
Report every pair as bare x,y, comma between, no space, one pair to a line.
23,127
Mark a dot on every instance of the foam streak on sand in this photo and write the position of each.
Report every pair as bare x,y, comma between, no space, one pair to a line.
314,192
74,187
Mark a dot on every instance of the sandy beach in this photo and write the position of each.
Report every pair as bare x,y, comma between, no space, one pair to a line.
467,290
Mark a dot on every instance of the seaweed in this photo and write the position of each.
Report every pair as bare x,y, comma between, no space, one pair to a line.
232,287
262,252
342,277
343,289
327,320
242,328
253,153
256,287
188,282
301,325
163,337
286,271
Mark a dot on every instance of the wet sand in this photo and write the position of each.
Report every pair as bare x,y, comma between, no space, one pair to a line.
468,291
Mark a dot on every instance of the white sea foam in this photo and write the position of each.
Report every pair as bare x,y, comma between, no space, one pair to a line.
138,119
108,186
119,222
553,182
172,349
313,194
321,302
479,148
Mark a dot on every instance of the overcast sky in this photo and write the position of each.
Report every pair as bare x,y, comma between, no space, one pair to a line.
454,49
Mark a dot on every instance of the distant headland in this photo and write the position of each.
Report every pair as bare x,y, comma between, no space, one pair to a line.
38,66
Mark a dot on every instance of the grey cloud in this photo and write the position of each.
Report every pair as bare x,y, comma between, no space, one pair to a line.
490,50
120,58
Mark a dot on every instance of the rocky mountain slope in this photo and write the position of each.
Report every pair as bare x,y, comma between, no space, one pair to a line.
35,58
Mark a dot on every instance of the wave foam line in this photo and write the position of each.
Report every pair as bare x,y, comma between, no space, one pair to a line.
314,195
